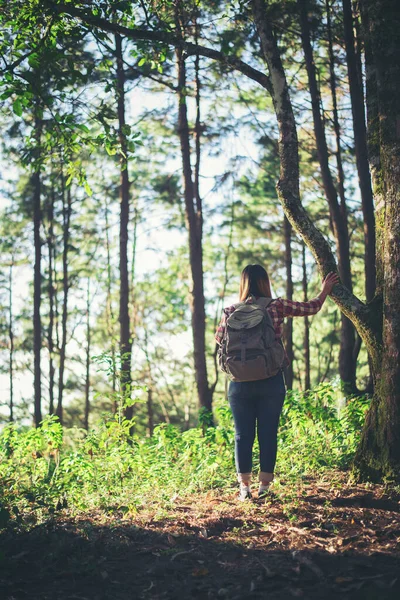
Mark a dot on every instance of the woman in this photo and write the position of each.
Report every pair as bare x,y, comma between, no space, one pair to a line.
261,401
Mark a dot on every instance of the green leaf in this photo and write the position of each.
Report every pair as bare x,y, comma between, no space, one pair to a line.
82,127
34,61
109,149
87,188
17,107
141,62
6,94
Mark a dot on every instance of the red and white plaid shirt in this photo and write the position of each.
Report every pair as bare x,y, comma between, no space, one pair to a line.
278,309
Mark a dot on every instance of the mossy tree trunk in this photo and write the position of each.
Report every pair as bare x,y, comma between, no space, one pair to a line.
379,451
378,323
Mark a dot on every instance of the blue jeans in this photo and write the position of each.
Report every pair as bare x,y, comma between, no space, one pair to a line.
258,402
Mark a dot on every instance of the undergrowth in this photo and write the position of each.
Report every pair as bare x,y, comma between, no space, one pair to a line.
50,468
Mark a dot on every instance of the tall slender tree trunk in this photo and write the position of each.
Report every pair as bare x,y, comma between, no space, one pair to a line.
125,344
379,451
133,268
288,326
194,223
11,338
67,209
360,144
50,341
354,70
306,339
109,311
88,350
338,212
149,403
335,116
37,291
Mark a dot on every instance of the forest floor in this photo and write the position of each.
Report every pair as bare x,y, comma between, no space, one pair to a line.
326,538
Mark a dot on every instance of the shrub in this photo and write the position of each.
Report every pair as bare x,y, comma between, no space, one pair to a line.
42,470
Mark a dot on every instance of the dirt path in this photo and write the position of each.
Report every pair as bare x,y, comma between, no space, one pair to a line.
326,540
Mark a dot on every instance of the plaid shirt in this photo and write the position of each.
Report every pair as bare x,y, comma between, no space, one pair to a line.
278,309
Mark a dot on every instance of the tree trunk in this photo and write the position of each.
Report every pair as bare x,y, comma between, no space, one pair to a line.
338,212
360,144
306,339
149,403
50,341
379,452
125,344
67,209
109,311
362,316
37,292
88,349
354,69
194,223
11,337
288,326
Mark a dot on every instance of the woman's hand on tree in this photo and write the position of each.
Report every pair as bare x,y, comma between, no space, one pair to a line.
327,284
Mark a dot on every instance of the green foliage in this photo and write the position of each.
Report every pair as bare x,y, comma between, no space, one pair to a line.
316,432
41,472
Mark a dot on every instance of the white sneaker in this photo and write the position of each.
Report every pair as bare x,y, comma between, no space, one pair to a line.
245,493
262,490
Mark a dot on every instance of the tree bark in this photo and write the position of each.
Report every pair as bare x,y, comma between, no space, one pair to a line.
67,209
194,224
124,320
379,452
338,212
50,341
306,339
288,326
360,145
37,292
109,311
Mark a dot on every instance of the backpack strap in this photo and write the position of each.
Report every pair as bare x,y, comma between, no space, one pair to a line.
262,301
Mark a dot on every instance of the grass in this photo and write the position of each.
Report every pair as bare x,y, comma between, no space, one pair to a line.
46,470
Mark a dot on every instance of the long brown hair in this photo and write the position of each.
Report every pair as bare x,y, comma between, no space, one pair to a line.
254,281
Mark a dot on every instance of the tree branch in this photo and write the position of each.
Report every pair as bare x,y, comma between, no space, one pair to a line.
189,48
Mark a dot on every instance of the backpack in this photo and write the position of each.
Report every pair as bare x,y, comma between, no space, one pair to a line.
249,350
